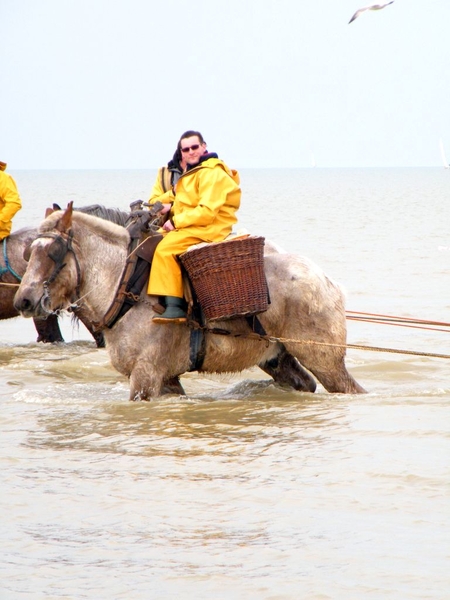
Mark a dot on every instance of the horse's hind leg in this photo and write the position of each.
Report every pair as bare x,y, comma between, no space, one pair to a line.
287,371
339,381
328,366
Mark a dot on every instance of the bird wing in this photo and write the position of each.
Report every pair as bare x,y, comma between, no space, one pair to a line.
371,7
357,13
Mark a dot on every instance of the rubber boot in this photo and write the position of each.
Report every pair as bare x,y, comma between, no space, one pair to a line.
174,312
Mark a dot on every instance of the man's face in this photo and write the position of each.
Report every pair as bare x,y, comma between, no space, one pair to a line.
192,150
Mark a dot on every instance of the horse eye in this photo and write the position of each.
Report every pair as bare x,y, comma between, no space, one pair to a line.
57,250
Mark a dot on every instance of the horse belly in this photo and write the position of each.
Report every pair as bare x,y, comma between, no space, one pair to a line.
7,310
226,354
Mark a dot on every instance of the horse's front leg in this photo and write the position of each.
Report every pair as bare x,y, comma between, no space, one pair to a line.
145,382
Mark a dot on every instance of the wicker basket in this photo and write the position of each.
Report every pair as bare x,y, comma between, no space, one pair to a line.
228,277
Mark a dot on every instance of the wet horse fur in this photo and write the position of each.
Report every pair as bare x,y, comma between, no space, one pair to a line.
306,314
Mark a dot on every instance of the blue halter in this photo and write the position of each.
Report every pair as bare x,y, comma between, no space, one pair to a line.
8,267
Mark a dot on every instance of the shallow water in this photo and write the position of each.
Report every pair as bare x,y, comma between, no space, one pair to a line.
243,489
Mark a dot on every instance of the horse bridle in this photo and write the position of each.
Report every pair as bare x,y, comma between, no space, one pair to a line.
57,252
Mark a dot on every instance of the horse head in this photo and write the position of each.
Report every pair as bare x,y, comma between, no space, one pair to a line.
53,273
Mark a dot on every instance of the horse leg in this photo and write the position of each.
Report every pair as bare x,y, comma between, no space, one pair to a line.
287,371
328,366
339,381
145,382
48,330
140,391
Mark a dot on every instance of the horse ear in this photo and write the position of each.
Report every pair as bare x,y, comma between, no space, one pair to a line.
48,211
56,206
66,220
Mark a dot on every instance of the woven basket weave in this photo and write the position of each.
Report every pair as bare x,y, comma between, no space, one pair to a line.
228,277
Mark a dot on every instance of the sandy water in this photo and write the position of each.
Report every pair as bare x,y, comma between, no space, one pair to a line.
242,489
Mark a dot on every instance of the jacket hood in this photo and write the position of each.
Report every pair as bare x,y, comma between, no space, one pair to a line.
174,164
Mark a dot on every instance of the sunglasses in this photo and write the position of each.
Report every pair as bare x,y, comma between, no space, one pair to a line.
194,147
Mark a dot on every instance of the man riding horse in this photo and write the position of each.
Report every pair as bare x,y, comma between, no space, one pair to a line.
201,208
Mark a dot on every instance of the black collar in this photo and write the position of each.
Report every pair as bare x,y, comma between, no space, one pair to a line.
204,157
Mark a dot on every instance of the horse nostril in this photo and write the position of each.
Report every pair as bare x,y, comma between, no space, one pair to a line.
23,305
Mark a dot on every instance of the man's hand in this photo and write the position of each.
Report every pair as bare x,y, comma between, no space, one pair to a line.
168,226
165,209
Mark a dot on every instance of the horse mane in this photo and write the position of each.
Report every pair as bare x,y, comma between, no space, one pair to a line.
115,215
106,229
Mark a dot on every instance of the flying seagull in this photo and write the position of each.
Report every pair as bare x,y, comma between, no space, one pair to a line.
371,7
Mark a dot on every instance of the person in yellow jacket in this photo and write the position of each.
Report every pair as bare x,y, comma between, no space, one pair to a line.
10,201
203,209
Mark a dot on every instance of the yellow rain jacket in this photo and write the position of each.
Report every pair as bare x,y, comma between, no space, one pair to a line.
9,203
162,190
204,210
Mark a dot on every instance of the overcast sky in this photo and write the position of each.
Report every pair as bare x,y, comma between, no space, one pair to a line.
113,83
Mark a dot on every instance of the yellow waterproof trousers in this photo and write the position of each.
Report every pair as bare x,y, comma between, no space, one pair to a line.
165,275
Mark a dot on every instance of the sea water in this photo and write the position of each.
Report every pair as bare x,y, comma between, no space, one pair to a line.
242,489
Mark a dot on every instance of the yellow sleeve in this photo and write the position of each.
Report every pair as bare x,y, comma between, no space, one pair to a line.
10,201
158,193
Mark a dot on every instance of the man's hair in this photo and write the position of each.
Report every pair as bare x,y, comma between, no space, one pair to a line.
188,134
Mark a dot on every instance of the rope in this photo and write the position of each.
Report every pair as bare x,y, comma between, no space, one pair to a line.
358,316
393,319
369,348
392,322
8,267
267,338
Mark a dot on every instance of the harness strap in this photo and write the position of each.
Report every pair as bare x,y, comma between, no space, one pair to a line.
7,268
133,290
197,349
256,325
111,315
197,341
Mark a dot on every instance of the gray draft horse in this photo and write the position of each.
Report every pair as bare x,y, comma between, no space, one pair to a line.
285,370
13,265
306,317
